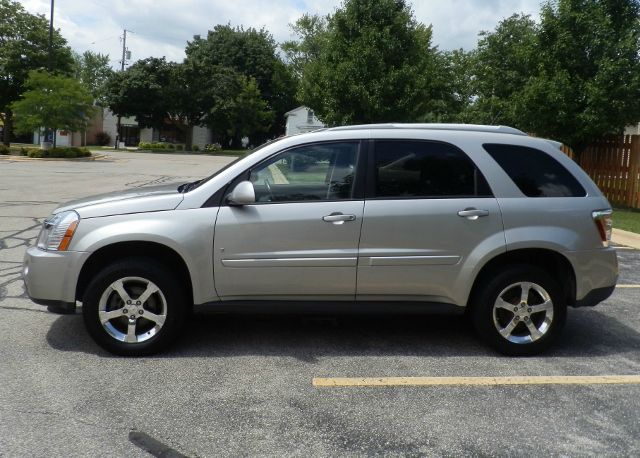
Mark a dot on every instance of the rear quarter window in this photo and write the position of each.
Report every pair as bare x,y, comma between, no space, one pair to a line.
535,172
425,169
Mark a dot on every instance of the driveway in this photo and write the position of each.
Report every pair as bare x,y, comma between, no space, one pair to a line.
243,385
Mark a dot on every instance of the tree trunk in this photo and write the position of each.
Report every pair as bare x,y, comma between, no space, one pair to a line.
236,142
188,138
8,128
578,149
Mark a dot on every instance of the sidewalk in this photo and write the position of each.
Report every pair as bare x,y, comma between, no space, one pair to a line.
626,238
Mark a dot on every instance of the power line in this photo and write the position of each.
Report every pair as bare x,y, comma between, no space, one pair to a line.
103,39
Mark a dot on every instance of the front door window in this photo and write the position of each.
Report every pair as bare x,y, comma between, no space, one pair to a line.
309,173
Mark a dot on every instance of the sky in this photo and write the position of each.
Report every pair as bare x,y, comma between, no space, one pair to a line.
163,27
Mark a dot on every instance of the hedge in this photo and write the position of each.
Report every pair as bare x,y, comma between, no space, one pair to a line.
69,152
151,146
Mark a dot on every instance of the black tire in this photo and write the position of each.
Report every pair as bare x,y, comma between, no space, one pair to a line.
505,281
169,302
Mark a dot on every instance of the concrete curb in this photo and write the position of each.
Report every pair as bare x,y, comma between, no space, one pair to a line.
93,157
626,238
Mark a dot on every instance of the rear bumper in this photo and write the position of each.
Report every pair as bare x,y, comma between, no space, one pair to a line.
594,297
50,277
596,275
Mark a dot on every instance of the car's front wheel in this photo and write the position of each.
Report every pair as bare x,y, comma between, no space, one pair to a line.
520,311
134,307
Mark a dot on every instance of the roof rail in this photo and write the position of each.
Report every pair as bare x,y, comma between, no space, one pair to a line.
436,126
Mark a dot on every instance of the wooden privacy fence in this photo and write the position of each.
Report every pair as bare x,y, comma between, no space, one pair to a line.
613,163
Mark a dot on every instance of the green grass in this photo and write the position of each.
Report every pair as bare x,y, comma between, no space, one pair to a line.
224,152
100,147
626,219
227,152
25,145
16,147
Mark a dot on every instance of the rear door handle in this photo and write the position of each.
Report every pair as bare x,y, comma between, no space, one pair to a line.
338,218
473,213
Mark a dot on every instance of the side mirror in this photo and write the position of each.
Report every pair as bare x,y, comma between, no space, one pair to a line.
242,194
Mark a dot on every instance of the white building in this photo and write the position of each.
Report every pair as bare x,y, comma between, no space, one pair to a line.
130,133
300,120
633,129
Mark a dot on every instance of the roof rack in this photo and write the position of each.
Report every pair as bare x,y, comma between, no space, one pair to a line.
436,126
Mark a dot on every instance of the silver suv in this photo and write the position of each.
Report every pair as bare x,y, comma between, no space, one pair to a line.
478,219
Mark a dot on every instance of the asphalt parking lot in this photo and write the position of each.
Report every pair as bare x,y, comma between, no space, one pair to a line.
243,385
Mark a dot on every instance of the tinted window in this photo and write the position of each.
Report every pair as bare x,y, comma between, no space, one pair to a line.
535,172
425,169
323,171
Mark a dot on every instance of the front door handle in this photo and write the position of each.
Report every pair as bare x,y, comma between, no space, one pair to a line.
473,213
338,218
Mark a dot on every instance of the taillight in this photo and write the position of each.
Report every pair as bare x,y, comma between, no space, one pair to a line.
604,223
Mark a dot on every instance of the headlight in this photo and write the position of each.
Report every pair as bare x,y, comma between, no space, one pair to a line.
58,230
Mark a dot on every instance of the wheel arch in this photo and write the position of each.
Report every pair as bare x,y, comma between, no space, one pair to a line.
553,262
119,250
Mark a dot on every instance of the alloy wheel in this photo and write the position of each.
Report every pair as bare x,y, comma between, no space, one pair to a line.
523,312
132,309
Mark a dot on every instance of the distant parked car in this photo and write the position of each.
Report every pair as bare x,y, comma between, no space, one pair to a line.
481,219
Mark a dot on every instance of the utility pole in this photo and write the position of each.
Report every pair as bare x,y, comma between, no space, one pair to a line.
122,64
50,63
50,66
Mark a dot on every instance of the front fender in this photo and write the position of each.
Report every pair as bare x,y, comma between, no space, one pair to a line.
187,232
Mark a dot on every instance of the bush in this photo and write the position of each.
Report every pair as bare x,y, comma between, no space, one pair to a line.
212,147
302,163
195,148
103,138
24,151
69,152
4,150
159,146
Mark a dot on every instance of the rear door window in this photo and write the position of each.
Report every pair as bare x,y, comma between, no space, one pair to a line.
425,169
535,172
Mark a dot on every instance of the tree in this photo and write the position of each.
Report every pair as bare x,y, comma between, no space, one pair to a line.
24,39
144,91
459,81
588,81
236,107
93,70
189,91
252,53
311,31
500,68
375,64
55,101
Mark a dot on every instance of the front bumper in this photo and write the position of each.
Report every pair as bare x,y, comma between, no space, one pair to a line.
50,277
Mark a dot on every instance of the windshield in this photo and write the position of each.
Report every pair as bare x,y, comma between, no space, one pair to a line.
186,187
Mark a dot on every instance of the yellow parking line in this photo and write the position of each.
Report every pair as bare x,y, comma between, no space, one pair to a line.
627,286
477,381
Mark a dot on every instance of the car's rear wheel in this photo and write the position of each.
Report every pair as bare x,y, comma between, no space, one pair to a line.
520,311
134,307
